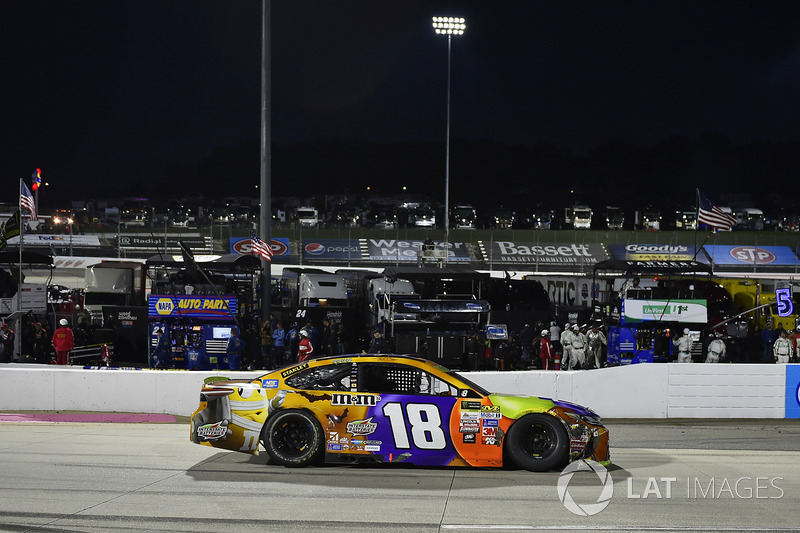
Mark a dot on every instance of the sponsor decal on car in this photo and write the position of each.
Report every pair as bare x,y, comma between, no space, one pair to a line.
215,431
491,416
470,406
372,448
335,447
492,423
362,427
294,370
490,408
469,438
269,383
368,400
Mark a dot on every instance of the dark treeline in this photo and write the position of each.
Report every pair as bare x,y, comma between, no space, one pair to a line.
489,175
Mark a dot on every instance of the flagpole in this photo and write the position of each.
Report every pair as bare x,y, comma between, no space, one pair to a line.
696,221
19,278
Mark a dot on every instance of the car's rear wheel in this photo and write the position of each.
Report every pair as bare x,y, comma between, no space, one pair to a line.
293,438
537,442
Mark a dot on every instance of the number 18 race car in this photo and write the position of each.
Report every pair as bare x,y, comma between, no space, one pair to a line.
375,408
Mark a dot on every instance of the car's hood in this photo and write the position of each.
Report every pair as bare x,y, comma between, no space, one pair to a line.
516,405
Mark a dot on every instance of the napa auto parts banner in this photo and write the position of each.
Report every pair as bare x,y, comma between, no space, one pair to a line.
185,306
241,246
684,311
751,255
657,252
567,254
401,250
349,249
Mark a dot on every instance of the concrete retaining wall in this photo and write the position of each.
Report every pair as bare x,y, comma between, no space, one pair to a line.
636,391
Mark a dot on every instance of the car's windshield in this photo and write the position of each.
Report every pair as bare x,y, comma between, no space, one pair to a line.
470,383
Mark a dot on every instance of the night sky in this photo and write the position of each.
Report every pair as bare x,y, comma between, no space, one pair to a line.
104,94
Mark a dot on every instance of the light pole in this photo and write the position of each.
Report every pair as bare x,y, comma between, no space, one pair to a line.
448,26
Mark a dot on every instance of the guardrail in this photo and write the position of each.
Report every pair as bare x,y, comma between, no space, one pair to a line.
636,391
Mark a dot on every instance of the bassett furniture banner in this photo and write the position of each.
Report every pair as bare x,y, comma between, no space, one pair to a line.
568,254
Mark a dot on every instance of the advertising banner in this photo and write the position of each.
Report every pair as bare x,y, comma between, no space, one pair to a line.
565,254
184,306
402,250
241,246
685,311
338,249
657,252
751,255
133,241
38,239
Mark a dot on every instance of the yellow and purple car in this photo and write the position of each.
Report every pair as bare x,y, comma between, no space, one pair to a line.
376,408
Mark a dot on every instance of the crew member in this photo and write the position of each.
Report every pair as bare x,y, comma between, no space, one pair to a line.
716,349
684,345
546,353
566,345
63,342
596,339
235,349
161,353
578,347
7,343
782,349
305,350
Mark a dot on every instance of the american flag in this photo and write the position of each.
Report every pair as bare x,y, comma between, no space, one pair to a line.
259,247
711,215
26,200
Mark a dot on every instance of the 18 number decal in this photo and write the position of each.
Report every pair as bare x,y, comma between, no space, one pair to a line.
425,423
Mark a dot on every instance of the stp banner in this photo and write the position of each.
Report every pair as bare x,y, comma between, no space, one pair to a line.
186,306
241,246
751,255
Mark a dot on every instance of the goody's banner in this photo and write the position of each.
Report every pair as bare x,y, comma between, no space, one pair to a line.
657,252
241,246
403,250
191,306
339,249
684,311
566,254
751,255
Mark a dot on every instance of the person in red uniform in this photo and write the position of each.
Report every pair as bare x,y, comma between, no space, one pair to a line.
63,342
306,349
546,350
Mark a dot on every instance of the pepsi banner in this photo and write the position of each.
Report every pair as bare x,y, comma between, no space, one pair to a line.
337,249
184,306
402,250
657,252
751,255
241,246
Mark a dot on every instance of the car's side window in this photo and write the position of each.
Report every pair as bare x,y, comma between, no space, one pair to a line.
332,377
402,379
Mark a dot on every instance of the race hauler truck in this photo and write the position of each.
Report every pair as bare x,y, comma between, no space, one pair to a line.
756,300
644,319
307,217
615,218
463,217
113,283
749,218
577,217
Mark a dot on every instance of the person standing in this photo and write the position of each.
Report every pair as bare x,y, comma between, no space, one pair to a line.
278,345
265,332
41,343
235,349
596,339
566,346
716,349
63,342
684,346
7,343
526,345
782,349
305,350
293,341
161,353
326,338
578,347
768,337
546,353
555,336
472,352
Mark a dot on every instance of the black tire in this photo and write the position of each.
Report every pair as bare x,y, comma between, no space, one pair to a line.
537,442
293,438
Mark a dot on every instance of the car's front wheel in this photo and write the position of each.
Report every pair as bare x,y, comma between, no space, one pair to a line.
537,442
293,438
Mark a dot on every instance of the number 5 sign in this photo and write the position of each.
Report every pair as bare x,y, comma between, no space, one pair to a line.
784,300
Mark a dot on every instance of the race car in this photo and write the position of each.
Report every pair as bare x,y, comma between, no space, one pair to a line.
391,408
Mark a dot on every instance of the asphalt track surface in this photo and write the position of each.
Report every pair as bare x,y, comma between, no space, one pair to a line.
666,476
